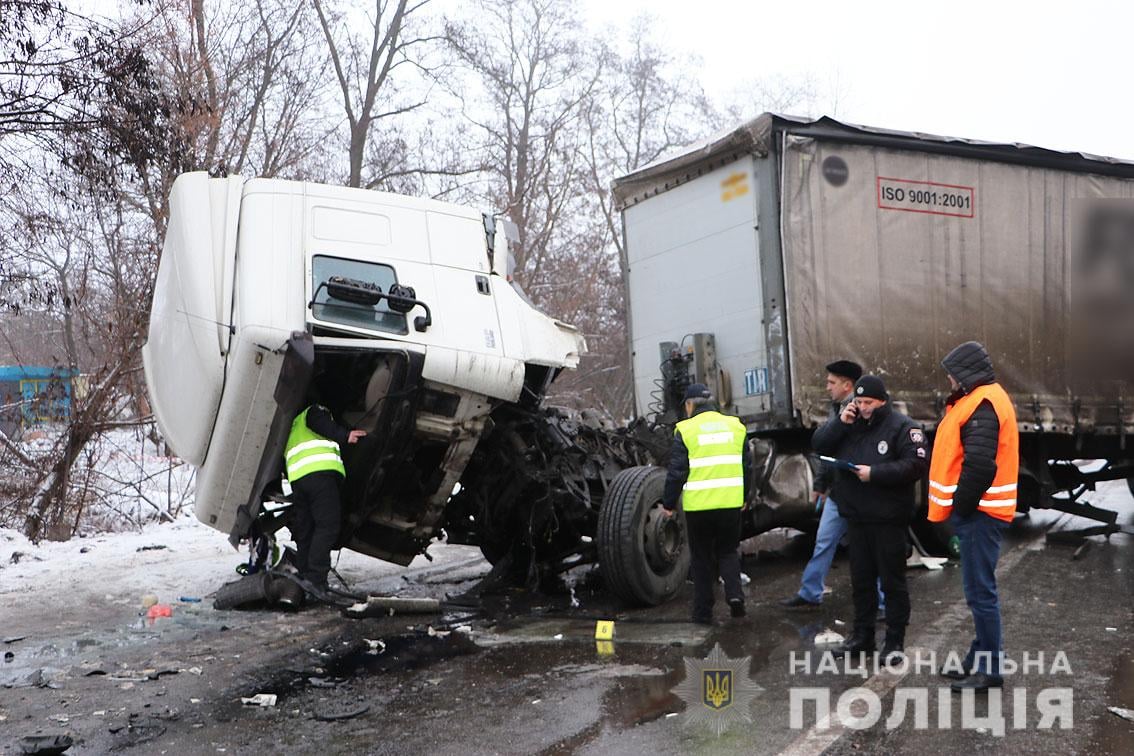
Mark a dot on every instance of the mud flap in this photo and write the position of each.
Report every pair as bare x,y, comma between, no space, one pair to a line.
291,389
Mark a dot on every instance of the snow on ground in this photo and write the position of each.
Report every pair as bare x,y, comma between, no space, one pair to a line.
138,536
121,568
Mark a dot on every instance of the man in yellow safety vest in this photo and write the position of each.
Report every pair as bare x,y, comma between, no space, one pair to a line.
315,469
708,470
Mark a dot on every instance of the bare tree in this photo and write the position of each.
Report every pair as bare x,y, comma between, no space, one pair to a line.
645,105
532,72
382,76
221,88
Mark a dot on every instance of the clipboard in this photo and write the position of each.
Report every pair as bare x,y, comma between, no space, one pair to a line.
840,464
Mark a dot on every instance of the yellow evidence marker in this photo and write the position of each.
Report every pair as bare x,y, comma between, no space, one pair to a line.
604,630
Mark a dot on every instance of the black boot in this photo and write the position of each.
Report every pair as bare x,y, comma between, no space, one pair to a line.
978,681
894,646
860,642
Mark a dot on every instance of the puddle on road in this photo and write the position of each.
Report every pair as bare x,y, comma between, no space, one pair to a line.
1114,733
401,653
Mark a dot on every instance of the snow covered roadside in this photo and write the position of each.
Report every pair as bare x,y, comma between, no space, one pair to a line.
118,569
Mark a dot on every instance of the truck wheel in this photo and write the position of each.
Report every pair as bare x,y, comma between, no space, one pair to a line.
643,555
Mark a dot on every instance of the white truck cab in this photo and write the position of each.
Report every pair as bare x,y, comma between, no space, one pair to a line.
397,313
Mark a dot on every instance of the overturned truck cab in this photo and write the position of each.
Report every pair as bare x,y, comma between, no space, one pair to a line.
400,315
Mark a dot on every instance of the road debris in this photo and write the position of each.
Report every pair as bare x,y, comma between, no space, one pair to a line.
1127,714
342,715
828,638
377,606
158,611
260,699
33,679
43,745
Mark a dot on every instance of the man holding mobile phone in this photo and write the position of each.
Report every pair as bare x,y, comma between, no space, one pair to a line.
877,500
841,376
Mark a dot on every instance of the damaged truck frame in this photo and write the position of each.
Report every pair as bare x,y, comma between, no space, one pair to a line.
751,260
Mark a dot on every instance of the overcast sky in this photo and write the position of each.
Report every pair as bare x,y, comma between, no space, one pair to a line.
1048,74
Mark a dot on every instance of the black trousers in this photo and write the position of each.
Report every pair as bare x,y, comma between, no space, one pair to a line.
878,550
315,520
714,543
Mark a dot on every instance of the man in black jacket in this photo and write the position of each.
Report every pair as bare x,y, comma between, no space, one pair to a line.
841,377
875,495
973,483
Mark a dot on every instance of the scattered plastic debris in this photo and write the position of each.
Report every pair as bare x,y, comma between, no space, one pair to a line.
154,547
159,610
557,636
828,638
375,646
1127,714
260,699
189,599
437,633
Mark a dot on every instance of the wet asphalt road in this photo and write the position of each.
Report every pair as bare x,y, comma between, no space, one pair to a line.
525,675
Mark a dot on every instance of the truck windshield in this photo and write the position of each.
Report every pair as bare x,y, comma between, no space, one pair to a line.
329,310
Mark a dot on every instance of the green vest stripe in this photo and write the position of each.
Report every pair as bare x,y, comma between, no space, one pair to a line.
716,473
308,452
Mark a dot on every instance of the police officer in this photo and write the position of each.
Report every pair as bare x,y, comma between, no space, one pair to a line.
876,497
841,377
708,470
972,483
315,470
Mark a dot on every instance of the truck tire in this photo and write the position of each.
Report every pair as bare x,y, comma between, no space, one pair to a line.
643,558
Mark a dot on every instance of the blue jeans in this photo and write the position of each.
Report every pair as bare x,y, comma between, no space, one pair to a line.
832,528
980,537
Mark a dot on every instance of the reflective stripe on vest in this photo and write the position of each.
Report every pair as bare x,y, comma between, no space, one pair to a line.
716,472
999,500
308,452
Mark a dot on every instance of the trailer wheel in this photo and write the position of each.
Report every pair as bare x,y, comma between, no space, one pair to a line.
643,555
